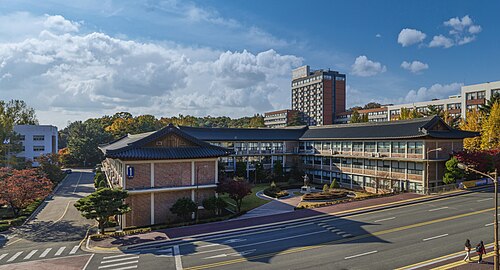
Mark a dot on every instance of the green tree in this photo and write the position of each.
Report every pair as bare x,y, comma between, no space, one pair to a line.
452,173
183,208
214,204
103,204
356,117
256,121
296,119
364,118
241,169
325,188
372,105
334,184
98,178
434,110
84,139
49,165
278,170
260,172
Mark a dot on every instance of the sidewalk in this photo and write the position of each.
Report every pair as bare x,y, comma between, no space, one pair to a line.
273,207
235,224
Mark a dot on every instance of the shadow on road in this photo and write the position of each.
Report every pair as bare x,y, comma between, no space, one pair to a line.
43,231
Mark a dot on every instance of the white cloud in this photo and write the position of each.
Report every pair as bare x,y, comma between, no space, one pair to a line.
415,66
66,74
364,67
441,41
378,35
59,24
435,91
463,31
410,36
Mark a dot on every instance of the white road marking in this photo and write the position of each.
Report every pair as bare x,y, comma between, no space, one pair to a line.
15,256
3,256
434,237
126,267
347,235
116,264
209,245
60,251
358,255
74,250
118,256
384,219
440,208
30,254
45,252
336,230
259,243
177,256
121,259
489,224
90,259
487,199
230,241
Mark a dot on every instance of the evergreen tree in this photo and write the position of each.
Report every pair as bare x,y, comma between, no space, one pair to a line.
183,208
452,173
356,117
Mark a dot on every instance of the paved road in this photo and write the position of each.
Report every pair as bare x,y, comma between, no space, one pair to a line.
57,230
385,239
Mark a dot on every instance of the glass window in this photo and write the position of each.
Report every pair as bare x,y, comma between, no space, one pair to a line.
357,147
415,147
398,167
38,148
22,137
370,164
415,168
326,146
317,146
369,146
383,165
346,146
326,161
383,146
357,163
398,147
38,137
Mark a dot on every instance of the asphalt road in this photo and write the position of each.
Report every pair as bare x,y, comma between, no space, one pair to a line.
56,231
385,239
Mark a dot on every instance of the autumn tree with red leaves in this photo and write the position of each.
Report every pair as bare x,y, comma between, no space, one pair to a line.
484,161
237,189
20,188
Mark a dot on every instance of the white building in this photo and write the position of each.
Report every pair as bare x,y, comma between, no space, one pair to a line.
37,140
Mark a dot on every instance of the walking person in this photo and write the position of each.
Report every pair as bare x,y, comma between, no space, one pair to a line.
468,247
480,250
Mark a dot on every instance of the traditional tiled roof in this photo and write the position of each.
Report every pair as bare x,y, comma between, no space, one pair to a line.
135,147
403,129
245,134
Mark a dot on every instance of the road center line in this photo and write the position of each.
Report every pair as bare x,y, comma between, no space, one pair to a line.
177,257
384,219
359,255
440,208
77,183
487,199
434,237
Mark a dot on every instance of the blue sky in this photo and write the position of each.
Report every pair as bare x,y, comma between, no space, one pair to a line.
77,59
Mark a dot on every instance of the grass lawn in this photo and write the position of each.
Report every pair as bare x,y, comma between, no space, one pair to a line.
249,202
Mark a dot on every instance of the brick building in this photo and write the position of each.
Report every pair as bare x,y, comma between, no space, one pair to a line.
281,118
157,168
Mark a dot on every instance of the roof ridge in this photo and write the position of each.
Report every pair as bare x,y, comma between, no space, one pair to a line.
414,120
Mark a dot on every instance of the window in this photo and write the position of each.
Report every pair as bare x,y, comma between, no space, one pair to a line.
369,146
317,160
326,146
325,161
398,147
495,91
384,146
317,146
38,148
415,168
346,162
398,167
357,147
265,146
253,146
38,137
481,94
22,137
346,146
277,146
383,165
415,147
357,163
454,106
370,164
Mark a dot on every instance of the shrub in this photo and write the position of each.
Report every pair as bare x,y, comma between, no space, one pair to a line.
183,208
102,184
273,185
215,205
275,192
325,188
334,184
324,196
18,221
4,227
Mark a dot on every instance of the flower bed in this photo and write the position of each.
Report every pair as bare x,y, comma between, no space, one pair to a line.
275,192
323,196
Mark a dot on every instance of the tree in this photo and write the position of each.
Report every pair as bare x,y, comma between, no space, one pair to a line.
237,189
364,118
490,131
334,184
65,158
356,117
183,208
20,188
296,119
103,204
407,113
486,108
433,110
278,170
452,173
214,204
325,188
84,139
49,166
256,121
241,169
98,178
372,105
473,123
260,173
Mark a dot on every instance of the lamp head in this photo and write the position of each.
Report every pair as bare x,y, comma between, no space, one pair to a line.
462,166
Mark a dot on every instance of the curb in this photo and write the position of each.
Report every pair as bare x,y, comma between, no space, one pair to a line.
338,214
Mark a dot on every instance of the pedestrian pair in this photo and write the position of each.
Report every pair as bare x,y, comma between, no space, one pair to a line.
480,250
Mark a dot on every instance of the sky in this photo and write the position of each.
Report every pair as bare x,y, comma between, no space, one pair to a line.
71,60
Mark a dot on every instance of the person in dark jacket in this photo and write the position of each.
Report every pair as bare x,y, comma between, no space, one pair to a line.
468,247
480,250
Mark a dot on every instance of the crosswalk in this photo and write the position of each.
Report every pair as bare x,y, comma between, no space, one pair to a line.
120,262
25,255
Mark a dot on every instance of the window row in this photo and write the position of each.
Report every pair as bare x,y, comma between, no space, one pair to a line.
371,147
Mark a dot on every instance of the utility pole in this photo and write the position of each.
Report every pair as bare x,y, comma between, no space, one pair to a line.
495,247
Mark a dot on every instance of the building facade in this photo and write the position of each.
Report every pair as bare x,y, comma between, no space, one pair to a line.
157,169
279,119
373,115
476,95
36,140
319,95
453,105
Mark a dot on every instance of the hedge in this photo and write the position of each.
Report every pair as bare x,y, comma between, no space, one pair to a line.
123,233
275,192
4,227
324,196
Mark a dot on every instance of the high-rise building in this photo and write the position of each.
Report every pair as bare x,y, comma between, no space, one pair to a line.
319,95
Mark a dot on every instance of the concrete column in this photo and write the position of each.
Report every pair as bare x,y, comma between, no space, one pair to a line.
152,174
216,171
192,173
152,208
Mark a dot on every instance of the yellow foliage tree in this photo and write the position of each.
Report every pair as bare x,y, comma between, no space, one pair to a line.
473,123
490,135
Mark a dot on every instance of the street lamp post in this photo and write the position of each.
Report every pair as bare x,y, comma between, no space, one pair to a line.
427,168
494,177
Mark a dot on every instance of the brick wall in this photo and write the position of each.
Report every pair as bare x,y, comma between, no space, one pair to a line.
140,214
142,177
205,171
163,202
173,174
